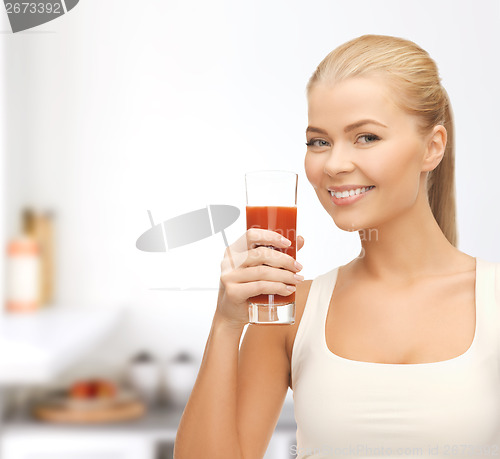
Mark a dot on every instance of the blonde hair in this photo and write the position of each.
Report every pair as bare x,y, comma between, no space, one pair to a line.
415,77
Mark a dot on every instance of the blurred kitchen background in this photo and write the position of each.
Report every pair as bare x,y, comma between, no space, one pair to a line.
118,108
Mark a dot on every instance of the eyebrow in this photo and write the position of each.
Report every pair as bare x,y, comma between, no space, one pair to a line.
352,126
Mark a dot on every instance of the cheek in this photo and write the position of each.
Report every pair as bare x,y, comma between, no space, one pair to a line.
398,175
314,167
397,165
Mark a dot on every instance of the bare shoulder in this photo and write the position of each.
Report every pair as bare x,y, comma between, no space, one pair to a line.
300,303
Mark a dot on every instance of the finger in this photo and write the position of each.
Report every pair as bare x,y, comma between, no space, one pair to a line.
300,242
269,257
266,273
259,256
251,289
256,237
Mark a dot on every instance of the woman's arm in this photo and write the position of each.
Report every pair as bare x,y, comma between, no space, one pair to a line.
208,425
218,422
263,376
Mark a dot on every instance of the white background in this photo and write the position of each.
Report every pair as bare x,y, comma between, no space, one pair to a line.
119,107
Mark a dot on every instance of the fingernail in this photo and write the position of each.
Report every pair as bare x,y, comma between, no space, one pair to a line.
298,277
291,288
285,241
298,265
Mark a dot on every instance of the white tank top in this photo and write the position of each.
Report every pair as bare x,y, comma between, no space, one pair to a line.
348,408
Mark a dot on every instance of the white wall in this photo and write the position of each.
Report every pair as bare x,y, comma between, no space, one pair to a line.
119,107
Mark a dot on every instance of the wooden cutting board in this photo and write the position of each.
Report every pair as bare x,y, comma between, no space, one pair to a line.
114,413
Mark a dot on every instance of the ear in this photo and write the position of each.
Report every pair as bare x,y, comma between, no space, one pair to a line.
436,144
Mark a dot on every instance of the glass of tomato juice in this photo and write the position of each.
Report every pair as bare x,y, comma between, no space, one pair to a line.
272,205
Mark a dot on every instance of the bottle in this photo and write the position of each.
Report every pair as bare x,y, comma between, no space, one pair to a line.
42,230
23,269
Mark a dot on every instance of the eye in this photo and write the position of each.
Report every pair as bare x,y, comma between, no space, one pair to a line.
317,143
367,138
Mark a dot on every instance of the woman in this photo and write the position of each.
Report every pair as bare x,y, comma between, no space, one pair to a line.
396,352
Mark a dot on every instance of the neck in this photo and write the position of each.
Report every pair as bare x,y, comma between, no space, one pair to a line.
405,248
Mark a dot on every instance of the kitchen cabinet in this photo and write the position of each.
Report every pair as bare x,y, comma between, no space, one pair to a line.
81,445
36,347
151,437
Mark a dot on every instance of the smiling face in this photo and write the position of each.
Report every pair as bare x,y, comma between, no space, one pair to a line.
358,136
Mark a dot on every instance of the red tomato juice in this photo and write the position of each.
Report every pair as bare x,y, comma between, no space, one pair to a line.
283,220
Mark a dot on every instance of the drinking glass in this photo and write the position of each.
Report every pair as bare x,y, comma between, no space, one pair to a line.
272,205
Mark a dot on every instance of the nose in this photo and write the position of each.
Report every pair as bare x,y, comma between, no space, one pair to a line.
338,161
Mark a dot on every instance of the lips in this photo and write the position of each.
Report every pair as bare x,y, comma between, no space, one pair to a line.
350,199
351,192
347,187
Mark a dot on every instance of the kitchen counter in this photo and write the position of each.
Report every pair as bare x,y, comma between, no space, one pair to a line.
36,347
158,422
146,437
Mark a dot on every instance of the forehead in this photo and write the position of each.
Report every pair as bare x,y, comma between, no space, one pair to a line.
352,99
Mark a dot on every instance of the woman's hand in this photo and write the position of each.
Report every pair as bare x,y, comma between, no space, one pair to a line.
250,267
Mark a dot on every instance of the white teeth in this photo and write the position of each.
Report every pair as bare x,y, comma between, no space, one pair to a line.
345,194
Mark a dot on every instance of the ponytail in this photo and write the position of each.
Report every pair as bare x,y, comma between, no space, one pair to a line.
441,183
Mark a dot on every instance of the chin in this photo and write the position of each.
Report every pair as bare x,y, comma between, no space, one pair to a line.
350,225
